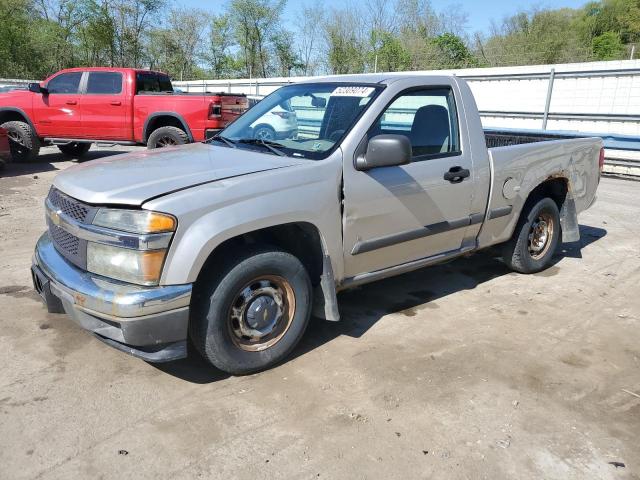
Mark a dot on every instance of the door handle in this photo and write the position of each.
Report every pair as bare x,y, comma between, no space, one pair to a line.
116,102
71,102
457,174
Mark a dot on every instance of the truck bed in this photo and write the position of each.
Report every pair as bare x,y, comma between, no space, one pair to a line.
519,160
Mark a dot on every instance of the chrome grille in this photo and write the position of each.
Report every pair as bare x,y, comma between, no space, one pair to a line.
71,247
67,244
69,206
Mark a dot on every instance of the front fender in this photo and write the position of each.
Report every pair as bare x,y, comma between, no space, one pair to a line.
211,214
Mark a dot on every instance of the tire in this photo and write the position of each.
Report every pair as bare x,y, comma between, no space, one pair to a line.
23,141
75,149
529,250
167,137
265,132
230,300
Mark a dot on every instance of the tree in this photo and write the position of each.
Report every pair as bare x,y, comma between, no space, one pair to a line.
132,19
20,55
608,46
452,52
286,58
346,51
391,55
219,55
538,37
255,22
310,21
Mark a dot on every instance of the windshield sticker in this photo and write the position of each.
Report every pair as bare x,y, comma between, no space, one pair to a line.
352,92
316,146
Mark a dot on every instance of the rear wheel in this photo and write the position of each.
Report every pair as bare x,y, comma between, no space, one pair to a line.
535,239
75,149
23,141
264,132
251,314
167,137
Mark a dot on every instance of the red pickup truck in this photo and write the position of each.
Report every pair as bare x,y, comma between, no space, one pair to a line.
80,106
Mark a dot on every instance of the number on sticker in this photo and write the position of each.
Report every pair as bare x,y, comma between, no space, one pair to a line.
352,92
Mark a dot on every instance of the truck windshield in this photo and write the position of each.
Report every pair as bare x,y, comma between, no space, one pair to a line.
304,120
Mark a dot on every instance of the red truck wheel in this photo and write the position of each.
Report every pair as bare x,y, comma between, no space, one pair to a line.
167,137
23,141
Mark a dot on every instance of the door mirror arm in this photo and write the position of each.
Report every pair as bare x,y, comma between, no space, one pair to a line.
385,151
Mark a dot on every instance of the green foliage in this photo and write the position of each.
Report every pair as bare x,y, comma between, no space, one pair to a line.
247,37
453,52
391,53
608,46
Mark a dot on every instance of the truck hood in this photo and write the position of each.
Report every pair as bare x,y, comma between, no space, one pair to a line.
133,178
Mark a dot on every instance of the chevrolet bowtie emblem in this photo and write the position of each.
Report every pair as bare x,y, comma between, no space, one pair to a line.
55,216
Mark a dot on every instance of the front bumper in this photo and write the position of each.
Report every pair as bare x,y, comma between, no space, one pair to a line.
147,322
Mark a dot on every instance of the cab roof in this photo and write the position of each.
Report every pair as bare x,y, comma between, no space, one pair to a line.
380,78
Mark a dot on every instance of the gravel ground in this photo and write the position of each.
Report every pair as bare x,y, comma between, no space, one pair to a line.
463,370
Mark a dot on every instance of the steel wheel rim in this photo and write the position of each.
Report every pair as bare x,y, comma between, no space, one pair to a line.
165,141
275,295
541,235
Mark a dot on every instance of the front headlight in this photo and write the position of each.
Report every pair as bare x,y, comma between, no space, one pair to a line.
150,233
135,221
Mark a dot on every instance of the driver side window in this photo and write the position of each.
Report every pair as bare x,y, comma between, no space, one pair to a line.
427,117
68,83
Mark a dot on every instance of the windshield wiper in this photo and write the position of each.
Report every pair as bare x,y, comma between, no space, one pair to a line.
222,139
265,143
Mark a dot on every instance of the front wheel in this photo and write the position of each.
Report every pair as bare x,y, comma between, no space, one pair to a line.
23,141
535,239
251,314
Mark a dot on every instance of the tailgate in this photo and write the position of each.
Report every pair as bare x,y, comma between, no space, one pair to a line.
232,107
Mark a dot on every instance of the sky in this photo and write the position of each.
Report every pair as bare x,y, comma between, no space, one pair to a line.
480,12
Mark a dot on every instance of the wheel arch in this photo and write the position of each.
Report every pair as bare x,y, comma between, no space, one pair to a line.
558,188
164,119
303,240
14,114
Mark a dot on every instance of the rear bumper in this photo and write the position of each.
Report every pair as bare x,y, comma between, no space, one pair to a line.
147,322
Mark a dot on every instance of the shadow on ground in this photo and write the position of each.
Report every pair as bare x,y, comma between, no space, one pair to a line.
362,307
46,162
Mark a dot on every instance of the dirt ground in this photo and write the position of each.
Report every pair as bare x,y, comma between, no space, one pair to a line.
463,370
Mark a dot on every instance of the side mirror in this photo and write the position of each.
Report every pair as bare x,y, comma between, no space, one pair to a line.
36,88
385,151
318,102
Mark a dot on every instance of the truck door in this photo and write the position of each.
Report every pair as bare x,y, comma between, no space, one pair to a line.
394,215
57,113
104,107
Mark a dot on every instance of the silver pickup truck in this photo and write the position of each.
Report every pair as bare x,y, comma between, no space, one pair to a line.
234,243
